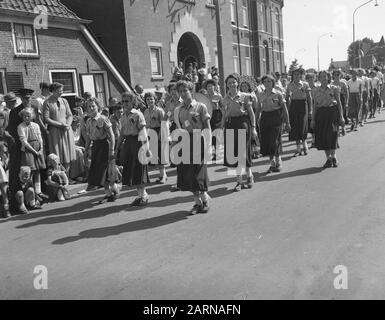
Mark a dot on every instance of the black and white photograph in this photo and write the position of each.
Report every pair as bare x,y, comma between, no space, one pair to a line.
219,151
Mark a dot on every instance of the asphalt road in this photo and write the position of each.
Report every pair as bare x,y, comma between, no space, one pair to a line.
280,240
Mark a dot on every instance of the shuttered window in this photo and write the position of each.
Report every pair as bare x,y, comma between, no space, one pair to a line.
15,81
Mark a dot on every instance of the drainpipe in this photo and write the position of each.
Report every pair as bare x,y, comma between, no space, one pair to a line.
126,86
238,38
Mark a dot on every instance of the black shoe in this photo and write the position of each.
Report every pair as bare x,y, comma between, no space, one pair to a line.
92,188
238,187
143,202
276,169
104,200
335,163
174,189
196,209
328,164
205,207
352,127
271,170
136,202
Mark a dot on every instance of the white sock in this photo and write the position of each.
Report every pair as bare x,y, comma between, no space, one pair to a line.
38,187
204,197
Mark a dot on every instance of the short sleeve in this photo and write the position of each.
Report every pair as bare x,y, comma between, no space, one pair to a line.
141,121
204,113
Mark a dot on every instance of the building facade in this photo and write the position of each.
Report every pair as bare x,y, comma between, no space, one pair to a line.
147,38
51,43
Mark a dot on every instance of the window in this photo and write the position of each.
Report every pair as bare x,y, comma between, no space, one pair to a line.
235,58
232,11
235,36
248,61
210,3
156,62
15,81
25,40
245,13
262,16
276,24
96,84
278,60
66,78
3,87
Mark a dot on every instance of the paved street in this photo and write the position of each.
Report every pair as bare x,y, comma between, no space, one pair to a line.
281,240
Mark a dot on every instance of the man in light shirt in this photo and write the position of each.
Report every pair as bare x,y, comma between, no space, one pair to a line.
365,96
355,100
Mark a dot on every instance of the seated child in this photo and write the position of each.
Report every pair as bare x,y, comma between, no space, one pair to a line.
57,180
25,195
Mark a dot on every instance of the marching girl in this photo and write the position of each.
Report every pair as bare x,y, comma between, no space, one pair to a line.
217,106
134,135
272,111
355,100
344,94
32,147
239,115
155,119
192,176
298,96
100,134
327,118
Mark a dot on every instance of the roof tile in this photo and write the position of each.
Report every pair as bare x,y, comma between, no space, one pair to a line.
54,7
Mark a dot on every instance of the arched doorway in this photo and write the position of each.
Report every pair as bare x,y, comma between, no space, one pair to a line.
190,49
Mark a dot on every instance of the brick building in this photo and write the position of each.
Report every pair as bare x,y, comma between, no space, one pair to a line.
42,40
147,38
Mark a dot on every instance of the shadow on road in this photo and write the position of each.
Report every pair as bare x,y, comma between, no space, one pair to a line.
111,209
374,121
133,226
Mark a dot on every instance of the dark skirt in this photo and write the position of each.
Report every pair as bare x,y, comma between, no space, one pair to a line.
158,145
298,120
193,177
354,105
326,128
99,163
216,119
30,160
134,172
236,124
271,133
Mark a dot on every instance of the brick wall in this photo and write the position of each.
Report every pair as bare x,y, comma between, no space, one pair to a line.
59,49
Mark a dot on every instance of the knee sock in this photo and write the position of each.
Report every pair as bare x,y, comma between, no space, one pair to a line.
37,187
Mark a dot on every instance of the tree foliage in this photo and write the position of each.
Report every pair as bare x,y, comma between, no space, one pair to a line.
354,48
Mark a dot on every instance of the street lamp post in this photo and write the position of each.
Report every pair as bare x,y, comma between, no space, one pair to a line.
319,38
354,29
220,47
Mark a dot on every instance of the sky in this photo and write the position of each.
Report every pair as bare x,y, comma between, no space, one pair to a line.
304,21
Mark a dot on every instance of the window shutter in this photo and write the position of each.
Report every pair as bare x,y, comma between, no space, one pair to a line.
14,81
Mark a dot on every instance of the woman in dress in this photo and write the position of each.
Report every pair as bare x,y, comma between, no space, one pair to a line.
195,119
238,116
135,137
57,114
298,96
272,111
327,117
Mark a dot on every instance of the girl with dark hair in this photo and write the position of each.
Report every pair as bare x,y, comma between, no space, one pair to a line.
217,107
272,111
238,116
194,118
155,119
355,100
298,96
58,116
326,118
135,137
